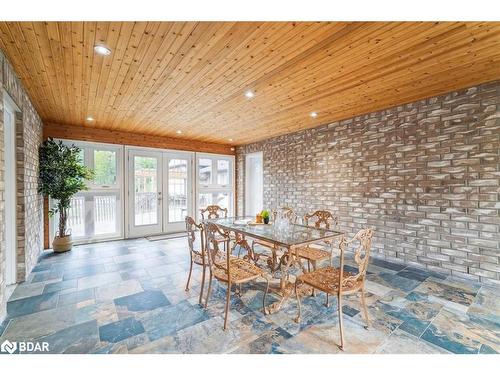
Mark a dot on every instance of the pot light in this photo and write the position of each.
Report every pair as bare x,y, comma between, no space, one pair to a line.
249,94
314,114
230,139
102,50
90,119
179,131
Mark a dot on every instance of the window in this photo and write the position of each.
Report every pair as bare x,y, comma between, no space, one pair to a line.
97,212
215,181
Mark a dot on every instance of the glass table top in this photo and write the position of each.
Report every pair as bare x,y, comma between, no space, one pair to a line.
282,235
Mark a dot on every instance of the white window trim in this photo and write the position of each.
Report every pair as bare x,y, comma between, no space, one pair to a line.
119,187
213,187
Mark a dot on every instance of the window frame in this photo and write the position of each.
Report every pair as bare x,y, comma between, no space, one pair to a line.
214,187
116,189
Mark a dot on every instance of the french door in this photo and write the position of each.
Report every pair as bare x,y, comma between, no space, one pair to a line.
160,191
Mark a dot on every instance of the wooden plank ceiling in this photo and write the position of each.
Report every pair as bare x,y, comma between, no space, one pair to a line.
165,77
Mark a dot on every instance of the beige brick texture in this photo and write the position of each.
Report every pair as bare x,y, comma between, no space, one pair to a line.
29,204
424,175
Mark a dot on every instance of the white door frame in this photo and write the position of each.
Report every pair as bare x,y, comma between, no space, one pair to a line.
182,155
247,180
150,229
9,120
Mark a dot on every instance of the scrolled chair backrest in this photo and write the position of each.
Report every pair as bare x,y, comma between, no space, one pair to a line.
285,213
217,258
213,212
191,227
321,219
363,244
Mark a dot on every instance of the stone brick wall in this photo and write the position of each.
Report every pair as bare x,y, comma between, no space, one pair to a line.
29,203
424,175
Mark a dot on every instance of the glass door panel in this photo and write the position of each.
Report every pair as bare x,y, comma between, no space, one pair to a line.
178,187
145,193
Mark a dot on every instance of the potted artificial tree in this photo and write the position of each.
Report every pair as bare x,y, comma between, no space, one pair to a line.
62,175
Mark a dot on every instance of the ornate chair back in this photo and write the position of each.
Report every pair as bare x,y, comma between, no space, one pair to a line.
363,243
218,259
191,227
213,211
321,219
285,213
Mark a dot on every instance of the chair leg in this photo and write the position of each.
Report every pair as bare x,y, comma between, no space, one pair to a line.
202,284
189,277
297,296
209,289
265,295
314,269
228,301
339,299
365,309
327,304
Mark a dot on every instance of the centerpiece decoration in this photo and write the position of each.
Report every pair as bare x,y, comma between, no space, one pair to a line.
265,216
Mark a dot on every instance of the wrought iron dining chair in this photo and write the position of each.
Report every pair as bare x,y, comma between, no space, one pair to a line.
197,256
313,255
227,268
213,211
338,282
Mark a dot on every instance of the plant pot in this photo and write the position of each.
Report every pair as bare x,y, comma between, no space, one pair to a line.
62,244
266,220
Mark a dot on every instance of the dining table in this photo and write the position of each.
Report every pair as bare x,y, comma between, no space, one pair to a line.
283,238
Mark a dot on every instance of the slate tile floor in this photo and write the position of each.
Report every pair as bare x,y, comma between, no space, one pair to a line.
128,297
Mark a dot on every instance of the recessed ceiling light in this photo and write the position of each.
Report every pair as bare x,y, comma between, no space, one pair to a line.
249,94
179,131
313,114
101,50
90,119
230,139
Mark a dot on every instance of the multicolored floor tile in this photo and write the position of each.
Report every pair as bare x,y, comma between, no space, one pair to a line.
129,297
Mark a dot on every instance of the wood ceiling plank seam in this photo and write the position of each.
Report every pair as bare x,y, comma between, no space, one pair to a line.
183,49
386,76
274,96
128,58
182,53
454,61
153,53
193,80
53,40
254,99
89,38
142,45
376,106
35,65
15,57
205,93
381,74
329,40
218,47
46,60
119,51
66,50
78,58
106,76
438,74
159,86
237,98
99,61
